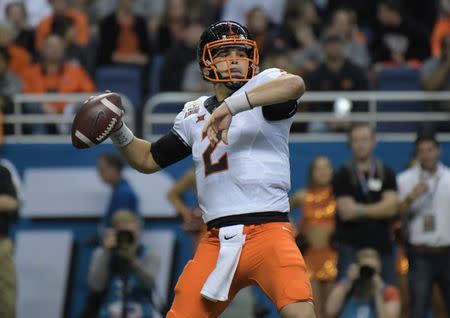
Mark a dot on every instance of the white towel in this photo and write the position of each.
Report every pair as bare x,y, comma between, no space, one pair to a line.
218,284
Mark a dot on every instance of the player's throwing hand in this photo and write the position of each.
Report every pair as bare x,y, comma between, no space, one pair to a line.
219,121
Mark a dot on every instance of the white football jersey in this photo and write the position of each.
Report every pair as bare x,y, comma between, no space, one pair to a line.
252,172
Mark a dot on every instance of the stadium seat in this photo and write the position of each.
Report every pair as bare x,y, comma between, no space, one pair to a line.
121,79
399,79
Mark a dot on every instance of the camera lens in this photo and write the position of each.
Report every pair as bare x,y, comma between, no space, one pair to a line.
366,272
124,238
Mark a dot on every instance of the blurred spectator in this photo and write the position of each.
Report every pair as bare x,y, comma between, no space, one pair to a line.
54,75
441,28
110,169
398,38
173,24
298,16
364,11
64,27
10,85
123,37
61,7
19,58
259,27
435,72
122,272
316,228
192,218
193,80
343,22
279,59
178,58
365,190
36,9
362,292
423,190
336,73
9,205
237,10
310,54
21,31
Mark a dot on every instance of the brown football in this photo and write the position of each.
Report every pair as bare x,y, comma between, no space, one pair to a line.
96,119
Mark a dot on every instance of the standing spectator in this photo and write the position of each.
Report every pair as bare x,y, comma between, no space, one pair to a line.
9,204
36,9
61,7
123,270
53,75
21,31
123,196
316,228
441,28
124,38
397,38
310,54
362,292
260,27
365,190
435,72
10,85
19,58
336,73
344,22
423,190
178,58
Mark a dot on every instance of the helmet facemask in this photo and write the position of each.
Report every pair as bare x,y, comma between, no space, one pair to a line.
209,61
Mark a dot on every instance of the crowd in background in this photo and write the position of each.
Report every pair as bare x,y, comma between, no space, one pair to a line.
59,45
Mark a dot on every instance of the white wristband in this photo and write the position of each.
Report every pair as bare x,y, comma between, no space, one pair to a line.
238,103
122,136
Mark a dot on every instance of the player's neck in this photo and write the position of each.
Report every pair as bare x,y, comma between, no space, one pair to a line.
222,91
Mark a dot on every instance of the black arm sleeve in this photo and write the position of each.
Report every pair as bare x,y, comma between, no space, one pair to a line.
280,111
169,149
6,183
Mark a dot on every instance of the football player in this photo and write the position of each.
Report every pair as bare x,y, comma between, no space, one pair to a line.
239,142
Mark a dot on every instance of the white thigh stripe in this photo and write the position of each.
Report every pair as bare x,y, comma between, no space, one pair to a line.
84,139
111,106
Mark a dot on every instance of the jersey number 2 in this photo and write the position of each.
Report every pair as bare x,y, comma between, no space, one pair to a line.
214,167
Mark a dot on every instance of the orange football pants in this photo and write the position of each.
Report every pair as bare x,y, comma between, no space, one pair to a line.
270,258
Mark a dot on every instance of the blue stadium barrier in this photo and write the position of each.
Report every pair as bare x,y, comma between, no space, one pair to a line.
126,80
399,79
155,71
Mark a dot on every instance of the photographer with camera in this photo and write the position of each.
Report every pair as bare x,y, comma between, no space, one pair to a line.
122,272
363,293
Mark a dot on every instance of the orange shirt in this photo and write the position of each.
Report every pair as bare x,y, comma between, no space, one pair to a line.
81,26
440,30
20,59
70,79
319,207
127,41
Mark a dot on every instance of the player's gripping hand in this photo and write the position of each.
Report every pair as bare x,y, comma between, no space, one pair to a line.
99,116
218,124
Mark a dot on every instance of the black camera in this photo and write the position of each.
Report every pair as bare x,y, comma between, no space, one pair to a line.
124,238
366,273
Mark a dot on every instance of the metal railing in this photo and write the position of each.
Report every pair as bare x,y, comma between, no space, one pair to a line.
373,116
18,118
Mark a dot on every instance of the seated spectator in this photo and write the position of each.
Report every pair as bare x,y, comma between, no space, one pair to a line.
310,54
316,228
398,39
21,31
237,10
53,75
19,58
123,37
298,15
260,28
123,196
172,26
10,85
122,272
344,22
363,290
36,10
61,7
336,73
178,58
441,28
279,59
